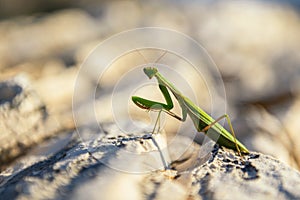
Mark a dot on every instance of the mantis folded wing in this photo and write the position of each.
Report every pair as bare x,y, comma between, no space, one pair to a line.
201,120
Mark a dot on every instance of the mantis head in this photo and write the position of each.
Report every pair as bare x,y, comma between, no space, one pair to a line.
150,71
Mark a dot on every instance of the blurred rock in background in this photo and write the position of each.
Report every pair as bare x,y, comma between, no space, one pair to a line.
255,45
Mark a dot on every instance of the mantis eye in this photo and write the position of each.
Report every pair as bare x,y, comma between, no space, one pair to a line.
150,71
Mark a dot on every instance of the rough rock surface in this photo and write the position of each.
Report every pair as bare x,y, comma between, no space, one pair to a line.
110,172
24,121
259,177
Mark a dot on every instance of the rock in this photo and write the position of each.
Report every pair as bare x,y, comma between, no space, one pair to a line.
126,167
259,176
23,118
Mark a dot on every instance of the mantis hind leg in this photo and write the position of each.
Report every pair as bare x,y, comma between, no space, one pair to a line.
231,129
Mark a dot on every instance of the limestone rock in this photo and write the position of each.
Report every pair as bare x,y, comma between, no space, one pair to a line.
23,118
129,167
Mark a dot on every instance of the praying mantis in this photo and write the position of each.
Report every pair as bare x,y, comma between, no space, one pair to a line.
201,120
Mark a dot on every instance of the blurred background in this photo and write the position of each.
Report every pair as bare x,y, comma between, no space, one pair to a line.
255,44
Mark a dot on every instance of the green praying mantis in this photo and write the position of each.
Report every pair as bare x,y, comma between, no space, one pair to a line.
201,120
